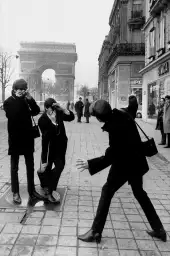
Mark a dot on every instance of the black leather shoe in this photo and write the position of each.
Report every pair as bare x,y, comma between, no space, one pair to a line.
36,196
158,234
16,198
90,236
51,199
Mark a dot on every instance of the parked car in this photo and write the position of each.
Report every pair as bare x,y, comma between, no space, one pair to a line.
41,105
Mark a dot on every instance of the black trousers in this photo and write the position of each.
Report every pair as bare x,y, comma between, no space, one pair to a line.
168,139
114,182
29,161
51,176
79,115
163,136
87,119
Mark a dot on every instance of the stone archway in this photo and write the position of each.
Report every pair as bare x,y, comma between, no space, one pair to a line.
36,57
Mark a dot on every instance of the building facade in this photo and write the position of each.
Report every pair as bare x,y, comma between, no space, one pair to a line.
156,73
126,52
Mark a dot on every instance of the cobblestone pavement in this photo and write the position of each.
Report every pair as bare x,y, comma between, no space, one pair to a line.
55,233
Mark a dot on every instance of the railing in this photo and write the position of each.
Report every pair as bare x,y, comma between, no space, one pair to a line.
127,49
156,6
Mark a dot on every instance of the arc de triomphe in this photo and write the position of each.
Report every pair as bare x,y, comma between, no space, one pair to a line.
36,57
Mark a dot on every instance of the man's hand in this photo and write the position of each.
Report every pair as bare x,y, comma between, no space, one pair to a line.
43,167
61,108
82,165
28,95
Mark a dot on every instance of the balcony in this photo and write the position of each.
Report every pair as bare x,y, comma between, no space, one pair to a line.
137,19
156,6
127,49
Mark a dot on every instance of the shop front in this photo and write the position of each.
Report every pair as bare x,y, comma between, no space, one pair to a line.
156,85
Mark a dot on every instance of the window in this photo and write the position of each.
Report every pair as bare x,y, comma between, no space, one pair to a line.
152,42
162,32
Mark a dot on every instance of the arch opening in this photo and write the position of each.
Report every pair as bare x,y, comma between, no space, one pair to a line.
48,84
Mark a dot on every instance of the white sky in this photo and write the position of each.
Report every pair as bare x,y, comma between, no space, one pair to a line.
83,22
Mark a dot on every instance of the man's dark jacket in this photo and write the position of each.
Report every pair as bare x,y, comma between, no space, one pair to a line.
79,107
20,137
125,149
54,139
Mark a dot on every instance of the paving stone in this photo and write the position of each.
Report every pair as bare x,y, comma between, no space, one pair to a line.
129,253
53,214
33,221
51,221
163,247
152,253
108,232
21,250
49,230
138,225
120,217
5,250
44,251
108,252
27,239
36,214
64,251
122,233
70,215
146,245
85,223
120,225
87,252
69,222
134,218
6,239
107,243
12,228
47,240
67,241
68,231
141,234
126,244
29,229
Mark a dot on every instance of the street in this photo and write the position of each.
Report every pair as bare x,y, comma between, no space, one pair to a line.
55,233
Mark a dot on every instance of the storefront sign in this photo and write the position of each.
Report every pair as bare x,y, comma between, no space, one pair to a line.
136,82
163,69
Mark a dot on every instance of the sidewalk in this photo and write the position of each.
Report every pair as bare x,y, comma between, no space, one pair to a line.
48,233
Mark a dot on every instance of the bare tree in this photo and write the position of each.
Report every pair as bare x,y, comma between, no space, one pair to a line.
6,71
84,91
94,93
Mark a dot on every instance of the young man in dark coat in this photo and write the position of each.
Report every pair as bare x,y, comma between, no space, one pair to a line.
79,109
128,163
19,108
86,110
54,145
159,123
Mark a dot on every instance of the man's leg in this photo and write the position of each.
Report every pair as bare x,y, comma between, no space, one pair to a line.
57,170
14,173
144,201
163,137
113,183
29,161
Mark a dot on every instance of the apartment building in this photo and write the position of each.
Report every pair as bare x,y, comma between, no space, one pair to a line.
122,54
156,73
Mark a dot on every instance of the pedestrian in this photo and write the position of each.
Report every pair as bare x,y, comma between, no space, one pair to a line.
54,145
79,109
166,120
19,108
72,106
86,110
68,105
128,163
159,124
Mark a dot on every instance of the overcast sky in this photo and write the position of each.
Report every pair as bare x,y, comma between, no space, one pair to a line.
84,23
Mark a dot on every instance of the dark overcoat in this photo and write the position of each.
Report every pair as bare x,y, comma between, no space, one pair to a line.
20,138
159,123
79,107
125,149
86,109
54,139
